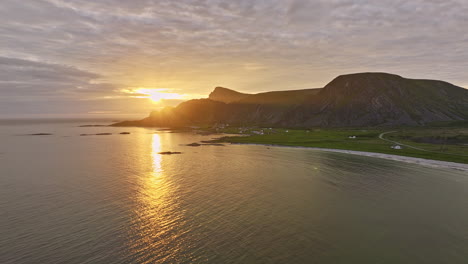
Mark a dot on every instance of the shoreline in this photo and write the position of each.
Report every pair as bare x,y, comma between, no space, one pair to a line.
406,159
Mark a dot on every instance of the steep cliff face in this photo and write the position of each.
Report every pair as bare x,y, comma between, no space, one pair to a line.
226,95
362,99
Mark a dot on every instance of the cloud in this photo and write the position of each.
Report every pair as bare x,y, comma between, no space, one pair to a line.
91,49
32,87
25,78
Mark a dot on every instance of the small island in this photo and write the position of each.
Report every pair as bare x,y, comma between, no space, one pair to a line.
169,152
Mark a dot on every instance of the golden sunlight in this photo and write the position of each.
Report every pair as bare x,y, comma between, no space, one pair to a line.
156,95
156,148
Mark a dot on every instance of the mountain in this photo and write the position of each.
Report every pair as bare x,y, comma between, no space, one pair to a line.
226,95
370,99
361,99
279,97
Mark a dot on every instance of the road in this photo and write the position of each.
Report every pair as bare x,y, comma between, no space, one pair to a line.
409,146
399,143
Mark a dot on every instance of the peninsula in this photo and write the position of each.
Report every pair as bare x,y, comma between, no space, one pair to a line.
426,118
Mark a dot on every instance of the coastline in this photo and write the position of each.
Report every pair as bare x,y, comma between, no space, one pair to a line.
411,160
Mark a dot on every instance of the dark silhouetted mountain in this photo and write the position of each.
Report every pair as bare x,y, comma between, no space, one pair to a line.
226,95
362,99
291,97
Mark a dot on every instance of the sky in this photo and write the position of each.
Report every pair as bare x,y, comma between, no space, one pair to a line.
116,58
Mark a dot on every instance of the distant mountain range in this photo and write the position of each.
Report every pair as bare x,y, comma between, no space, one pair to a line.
353,100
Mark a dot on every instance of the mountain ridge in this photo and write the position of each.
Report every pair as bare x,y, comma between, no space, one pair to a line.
358,99
226,95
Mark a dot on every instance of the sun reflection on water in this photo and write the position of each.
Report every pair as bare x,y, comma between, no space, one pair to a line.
158,218
157,159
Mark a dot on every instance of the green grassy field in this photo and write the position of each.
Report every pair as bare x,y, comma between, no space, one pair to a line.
368,140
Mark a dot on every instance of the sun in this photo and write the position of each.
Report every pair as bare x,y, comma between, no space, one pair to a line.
156,95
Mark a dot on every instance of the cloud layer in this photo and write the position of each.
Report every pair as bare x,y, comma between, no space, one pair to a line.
86,52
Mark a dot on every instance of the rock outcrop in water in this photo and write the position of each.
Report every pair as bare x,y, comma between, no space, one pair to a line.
169,152
362,99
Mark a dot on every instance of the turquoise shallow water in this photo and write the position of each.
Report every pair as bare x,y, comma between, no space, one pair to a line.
112,199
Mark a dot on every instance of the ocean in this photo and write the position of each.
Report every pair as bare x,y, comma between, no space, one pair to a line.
66,198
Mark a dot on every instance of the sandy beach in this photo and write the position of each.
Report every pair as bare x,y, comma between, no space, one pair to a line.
419,161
